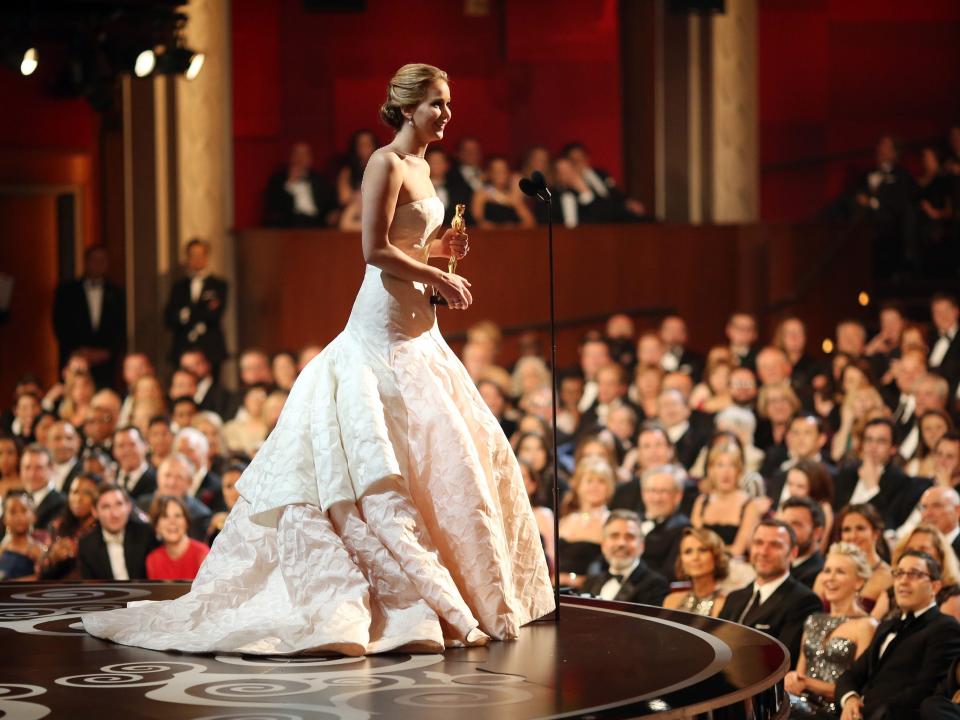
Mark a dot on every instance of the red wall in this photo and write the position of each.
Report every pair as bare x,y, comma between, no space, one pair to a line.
835,75
544,71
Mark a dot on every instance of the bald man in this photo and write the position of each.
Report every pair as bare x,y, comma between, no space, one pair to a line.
938,506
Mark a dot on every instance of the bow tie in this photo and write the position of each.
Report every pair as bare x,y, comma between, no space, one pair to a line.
901,623
618,578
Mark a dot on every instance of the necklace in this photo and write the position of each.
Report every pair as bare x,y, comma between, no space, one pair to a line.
406,154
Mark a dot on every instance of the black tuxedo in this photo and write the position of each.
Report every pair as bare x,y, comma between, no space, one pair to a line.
220,400
146,484
51,506
590,421
138,540
807,571
209,488
898,495
940,705
956,545
691,363
688,446
662,543
894,685
459,191
197,324
74,327
781,616
949,367
279,205
643,586
775,482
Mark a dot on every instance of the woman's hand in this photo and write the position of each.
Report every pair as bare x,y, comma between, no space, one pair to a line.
455,290
454,244
793,683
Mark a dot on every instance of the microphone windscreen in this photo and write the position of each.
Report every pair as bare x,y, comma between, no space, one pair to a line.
537,179
527,187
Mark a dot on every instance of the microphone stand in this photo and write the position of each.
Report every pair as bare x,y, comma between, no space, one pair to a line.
536,186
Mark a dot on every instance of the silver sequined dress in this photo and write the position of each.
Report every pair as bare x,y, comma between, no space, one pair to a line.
699,605
827,659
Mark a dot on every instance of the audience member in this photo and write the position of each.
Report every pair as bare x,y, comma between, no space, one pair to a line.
806,518
654,449
946,461
228,498
774,603
118,551
805,439
283,367
9,466
179,557
909,655
175,476
741,333
674,414
945,342
811,479
677,357
499,202
64,443
90,318
931,425
247,431
297,195
20,552
662,521
194,311
75,521
583,514
860,525
36,473
136,365
160,439
703,561
831,641
209,394
628,578
134,473
193,444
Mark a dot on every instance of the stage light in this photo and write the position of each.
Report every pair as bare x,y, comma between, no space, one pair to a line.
827,345
196,64
180,60
145,63
863,298
29,62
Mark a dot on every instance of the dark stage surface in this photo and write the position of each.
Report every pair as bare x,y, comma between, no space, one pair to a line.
603,660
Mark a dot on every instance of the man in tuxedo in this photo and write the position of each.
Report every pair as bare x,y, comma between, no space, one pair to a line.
930,393
741,331
101,420
939,507
875,479
195,309
90,317
63,442
628,579
884,347
594,354
209,394
674,413
134,473
807,520
135,366
663,523
805,438
909,654
160,437
193,444
118,548
299,196
774,603
466,176
174,477
899,395
945,344
611,394
945,702
610,203
851,337
654,449
36,474
678,358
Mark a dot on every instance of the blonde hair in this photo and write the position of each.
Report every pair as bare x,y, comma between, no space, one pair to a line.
408,88
855,555
588,466
947,560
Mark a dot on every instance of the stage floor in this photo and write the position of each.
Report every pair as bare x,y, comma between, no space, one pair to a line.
602,660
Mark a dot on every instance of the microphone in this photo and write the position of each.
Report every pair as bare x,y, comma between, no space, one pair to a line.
535,186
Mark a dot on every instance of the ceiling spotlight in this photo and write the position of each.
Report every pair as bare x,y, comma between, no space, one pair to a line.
29,62
145,63
180,60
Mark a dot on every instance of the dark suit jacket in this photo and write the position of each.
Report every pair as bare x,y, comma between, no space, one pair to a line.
807,571
590,423
949,367
662,543
899,493
643,586
956,545
279,206
221,401
781,616
689,445
138,540
47,510
775,482
893,686
74,329
459,191
146,484
207,310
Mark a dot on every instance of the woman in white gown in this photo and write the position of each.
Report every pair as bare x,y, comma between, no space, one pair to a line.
386,510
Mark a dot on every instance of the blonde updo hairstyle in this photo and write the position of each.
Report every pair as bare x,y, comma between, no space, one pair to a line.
408,88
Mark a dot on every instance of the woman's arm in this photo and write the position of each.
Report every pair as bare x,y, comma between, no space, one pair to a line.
751,517
523,212
477,206
344,188
696,514
381,185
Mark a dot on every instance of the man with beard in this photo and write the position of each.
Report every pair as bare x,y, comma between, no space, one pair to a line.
807,520
628,578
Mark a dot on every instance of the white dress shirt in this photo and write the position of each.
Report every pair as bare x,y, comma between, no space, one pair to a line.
595,183
302,193
677,431
612,586
118,561
94,292
941,346
129,480
41,494
60,473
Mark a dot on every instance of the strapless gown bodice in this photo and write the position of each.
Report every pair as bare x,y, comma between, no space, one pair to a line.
385,510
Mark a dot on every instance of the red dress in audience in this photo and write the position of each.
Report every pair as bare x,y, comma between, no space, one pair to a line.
160,566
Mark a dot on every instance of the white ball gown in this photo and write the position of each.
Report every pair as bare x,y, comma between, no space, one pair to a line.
386,510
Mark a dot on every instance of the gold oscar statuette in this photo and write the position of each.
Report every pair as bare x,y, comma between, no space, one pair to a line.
459,224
